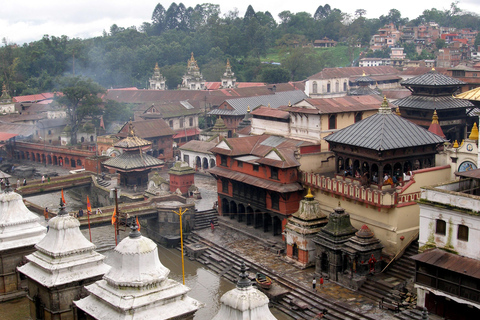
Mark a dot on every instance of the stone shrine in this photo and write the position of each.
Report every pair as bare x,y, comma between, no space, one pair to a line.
137,286
20,230
300,230
65,261
244,302
181,177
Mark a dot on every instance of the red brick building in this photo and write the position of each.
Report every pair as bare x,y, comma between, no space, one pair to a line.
257,180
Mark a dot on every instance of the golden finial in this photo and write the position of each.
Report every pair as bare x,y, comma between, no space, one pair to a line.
363,75
474,133
455,144
461,144
433,68
309,195
269,105
248,109
131,130
397,111
156,66
435,117
289,103
228,63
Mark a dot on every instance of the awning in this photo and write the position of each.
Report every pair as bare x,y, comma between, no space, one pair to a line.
254,181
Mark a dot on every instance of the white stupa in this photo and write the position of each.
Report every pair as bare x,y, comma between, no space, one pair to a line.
20,230
137,286
64,262
244,302
19,227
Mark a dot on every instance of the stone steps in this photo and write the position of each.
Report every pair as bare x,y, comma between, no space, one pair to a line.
229,266
202,219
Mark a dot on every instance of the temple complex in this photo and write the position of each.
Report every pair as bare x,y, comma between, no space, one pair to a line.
244,302
157,81
434,91
133,165
300,230
20,230
137,286
192,79
228,79
65,261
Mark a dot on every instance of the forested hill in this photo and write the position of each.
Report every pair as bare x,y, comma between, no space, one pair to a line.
125,57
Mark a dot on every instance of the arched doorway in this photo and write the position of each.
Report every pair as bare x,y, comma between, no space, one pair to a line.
72,163
249,216
212,163
258,219
50,159
267,222
241,212
198,163
277,226
233,209
324,262
205,164
225,210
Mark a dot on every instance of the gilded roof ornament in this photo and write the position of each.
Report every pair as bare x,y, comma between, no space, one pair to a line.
474,133
455,144
435,117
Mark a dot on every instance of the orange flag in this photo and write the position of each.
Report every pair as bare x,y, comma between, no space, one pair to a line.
138,224
63,198
89,207
114,216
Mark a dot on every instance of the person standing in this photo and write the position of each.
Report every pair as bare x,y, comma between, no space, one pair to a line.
24,181
45,213
18,183
80,213
48,178
314,284
212,225
43,179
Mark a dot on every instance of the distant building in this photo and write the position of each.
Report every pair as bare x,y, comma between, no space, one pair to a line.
324,43
193,79
157,81
228,79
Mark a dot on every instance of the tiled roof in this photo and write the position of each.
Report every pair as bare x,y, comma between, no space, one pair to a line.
273,100
384,131
416,71
21,129
57,122
260,146
329,73
393,94
33,97
432,78
431,103
133,160
148,129
254,181
364,91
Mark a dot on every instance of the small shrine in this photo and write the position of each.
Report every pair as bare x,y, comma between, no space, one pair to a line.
20,230
157,81
65,261
244,302
228,79
133,164
137,286
363,88
363,257
300,230
193,79
182,177
330,243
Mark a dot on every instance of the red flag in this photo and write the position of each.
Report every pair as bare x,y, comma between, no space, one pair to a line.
138,224
89,207
63,198
114,216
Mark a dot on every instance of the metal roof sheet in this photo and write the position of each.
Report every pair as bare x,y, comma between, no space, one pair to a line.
473,94
384,131
432,102
133,160
432,78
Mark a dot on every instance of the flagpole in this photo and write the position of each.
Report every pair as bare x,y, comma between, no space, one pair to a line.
116,218
180,214
89,230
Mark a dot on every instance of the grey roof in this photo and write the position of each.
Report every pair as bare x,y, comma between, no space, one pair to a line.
276,100
432,102
133,160
364,91
384,131
432,78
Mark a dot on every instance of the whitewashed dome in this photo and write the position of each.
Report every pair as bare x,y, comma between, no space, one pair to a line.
19,227
135,263
244,302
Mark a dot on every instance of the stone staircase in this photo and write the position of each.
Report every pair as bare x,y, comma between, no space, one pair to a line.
203,218
299,302
104,183
391,288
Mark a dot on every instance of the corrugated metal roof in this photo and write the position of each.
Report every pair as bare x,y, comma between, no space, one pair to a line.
384,131
339,105
254,181
431,103
329,73
133,160
473,95
274,100
449,261
198,146
432,78
270,112
148,129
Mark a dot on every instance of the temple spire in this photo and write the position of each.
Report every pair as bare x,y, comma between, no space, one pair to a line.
384,108
474,134
435,126
243,282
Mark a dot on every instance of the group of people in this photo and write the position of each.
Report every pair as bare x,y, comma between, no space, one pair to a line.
387,178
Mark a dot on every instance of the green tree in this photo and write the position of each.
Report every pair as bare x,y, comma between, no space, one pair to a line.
274,74
301,62
440,43
477,41
116,111
81,97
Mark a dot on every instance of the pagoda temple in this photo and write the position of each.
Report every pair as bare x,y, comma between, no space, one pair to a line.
363,88
20,230
65,261
300,230
228,79
133,164
244,302
137,286
434,91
